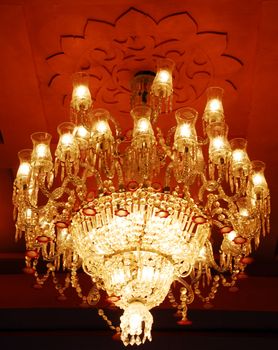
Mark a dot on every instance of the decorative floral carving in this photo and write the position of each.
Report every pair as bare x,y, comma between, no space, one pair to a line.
113,52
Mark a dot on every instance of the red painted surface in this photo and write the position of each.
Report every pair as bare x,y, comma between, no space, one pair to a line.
231,43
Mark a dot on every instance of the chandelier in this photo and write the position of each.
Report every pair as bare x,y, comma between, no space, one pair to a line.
140,211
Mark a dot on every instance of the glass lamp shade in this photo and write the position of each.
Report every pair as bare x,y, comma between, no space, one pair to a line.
259,186
143,135
162,87
240,162
41,154
214,108
25,165
163,81
81,96
219,147
67,148
101,134
185,135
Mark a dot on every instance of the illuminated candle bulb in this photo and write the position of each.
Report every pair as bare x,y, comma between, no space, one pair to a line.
219,147
164,76
244,212
214,105
143,134
163,81
82,136
218,143
99,123
41,150
81,96
214,111
67,139
240,163
81,132
258,182
162,86
101,134
185,134
231,235
24,166
41,154
143,125
67,148
102,127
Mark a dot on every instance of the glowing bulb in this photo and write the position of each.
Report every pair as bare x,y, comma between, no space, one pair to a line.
101,127
81,91
67,139
231,235
164,76
82,132
258,179
238,155
244,212
24,169
143,125
185,130
218,142
41,150
214,105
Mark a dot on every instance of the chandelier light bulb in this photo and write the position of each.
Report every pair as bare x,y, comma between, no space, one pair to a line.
41,150
162,86
238,156
143,125
102,127
81,132
164,76
81,92
215,105
258,179
218,143
231,235
81,99
185,131
24,170
214,111
244,212
67,139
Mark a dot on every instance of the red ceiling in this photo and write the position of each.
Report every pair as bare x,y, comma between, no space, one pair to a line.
231,43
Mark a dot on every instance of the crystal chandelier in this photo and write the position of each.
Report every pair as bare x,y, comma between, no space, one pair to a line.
142,210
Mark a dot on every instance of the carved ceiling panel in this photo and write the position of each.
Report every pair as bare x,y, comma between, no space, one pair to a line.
113,52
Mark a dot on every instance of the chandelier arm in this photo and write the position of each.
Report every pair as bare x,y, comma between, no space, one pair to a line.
211,258
187,273
118,129
190,297
167,150
170,134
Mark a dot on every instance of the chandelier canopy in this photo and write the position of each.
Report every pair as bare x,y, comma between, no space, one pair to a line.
140,210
